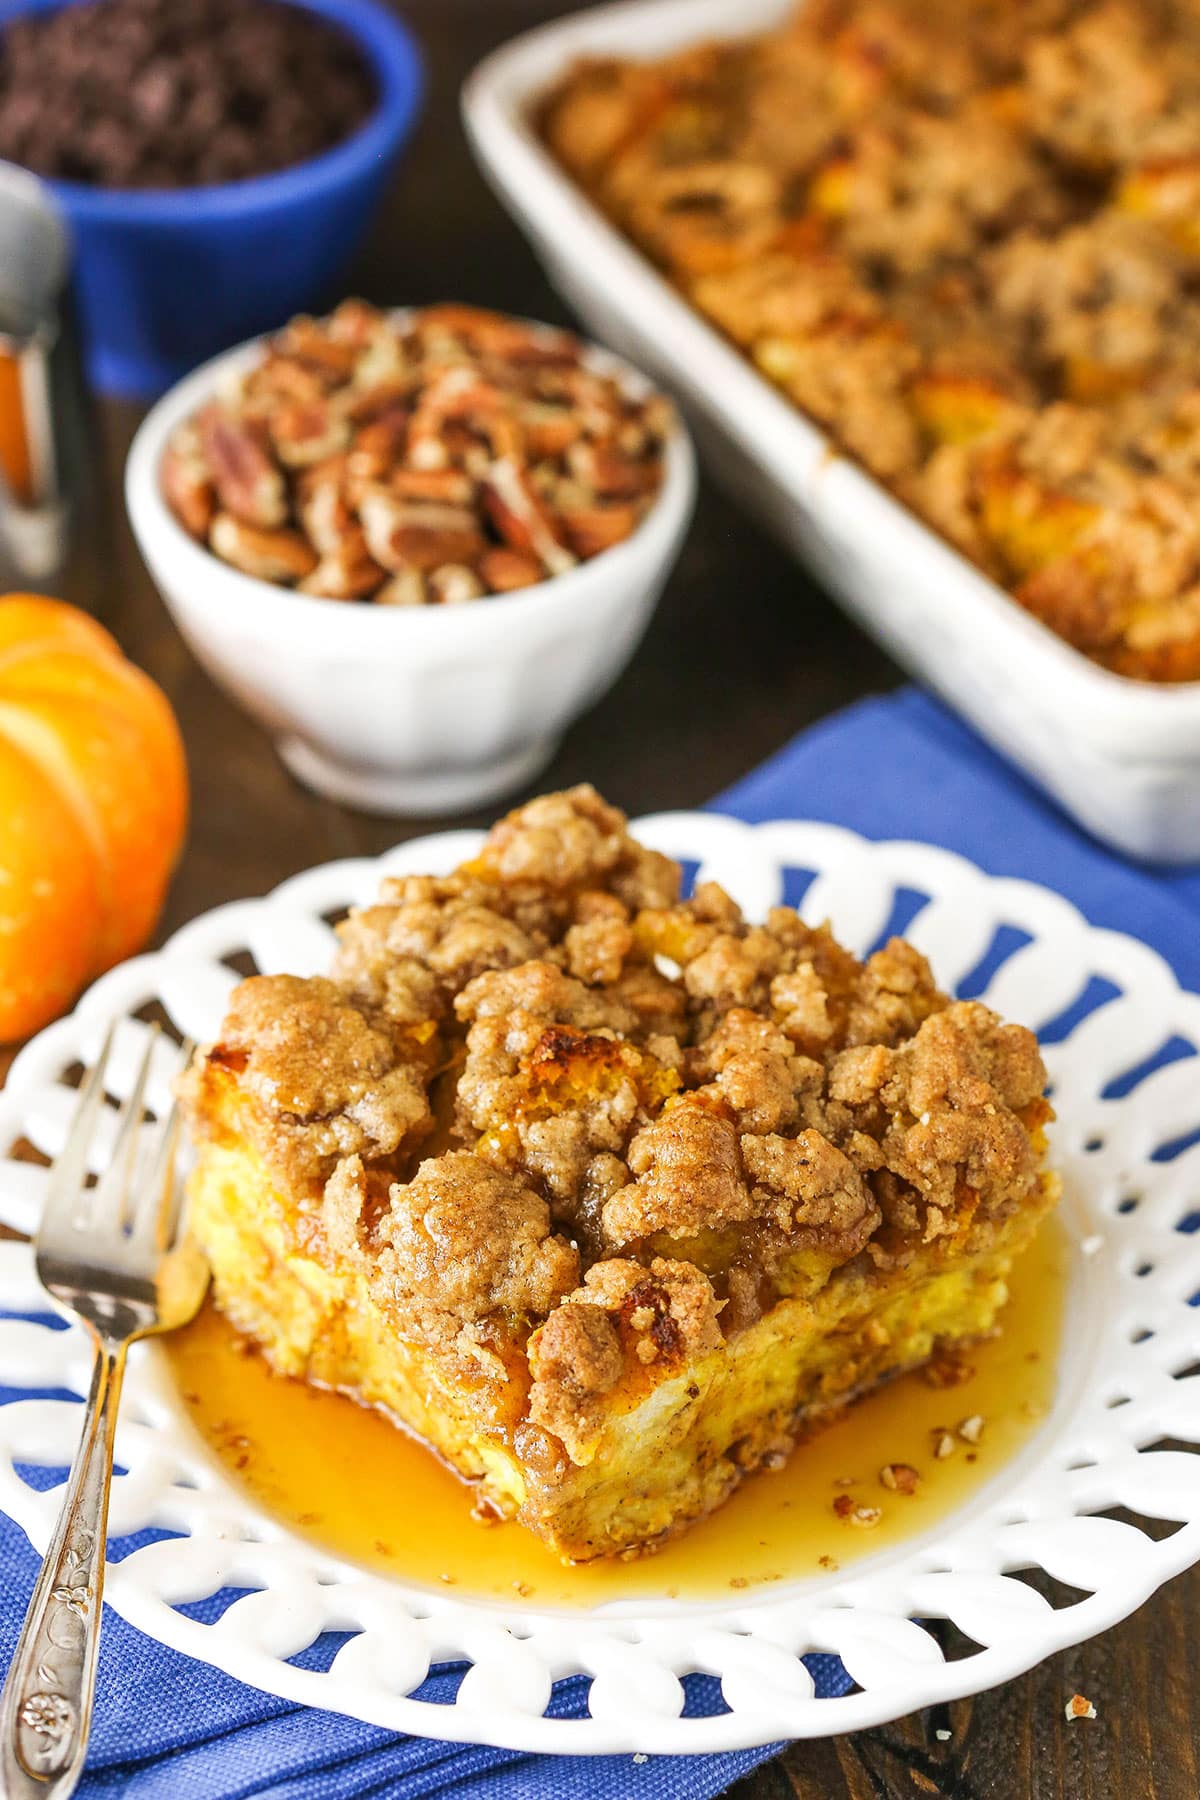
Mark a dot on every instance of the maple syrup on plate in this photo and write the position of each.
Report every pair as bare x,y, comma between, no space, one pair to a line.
349,1480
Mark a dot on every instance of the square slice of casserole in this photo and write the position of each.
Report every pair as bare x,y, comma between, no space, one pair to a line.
611,1197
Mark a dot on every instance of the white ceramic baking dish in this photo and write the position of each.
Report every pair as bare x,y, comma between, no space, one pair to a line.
1122,756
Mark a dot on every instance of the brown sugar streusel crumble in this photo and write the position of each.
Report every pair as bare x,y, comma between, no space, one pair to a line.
609,1195
964,236
427,460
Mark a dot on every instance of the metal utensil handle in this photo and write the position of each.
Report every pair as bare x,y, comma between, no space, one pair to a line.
46,1707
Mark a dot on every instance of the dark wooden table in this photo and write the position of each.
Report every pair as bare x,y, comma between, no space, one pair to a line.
744,651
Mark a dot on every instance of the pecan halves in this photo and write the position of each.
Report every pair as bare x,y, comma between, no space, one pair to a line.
591,529
450,487
308,342
279,381
284,556
428,460
406,589
405,534
356,322
187,485
549,430
459,396
347,571
249,483
363,404
454,584
506,570
609,474
495,334
322,505
521,518
307,433
380,442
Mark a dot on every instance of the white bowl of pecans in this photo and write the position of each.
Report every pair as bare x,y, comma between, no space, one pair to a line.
414,545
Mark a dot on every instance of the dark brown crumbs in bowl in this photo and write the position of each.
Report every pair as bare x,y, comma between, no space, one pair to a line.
422,459
176,93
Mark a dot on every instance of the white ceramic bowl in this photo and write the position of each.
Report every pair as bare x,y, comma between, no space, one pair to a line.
419,710
1123,756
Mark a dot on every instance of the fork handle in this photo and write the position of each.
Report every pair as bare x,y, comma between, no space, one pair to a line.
46,1707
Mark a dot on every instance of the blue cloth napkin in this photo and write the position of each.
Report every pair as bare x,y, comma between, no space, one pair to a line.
169,1728
903,767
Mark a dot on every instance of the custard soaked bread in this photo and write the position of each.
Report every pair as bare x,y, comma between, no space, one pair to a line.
610,1196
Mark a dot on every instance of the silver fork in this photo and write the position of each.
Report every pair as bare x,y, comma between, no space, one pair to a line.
114,1254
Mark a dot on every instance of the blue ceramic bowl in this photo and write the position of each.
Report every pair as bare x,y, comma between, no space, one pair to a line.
164,279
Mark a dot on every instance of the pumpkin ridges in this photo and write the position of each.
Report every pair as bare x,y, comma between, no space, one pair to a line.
68,678
27,618
93,806
48,899
127,811
27,730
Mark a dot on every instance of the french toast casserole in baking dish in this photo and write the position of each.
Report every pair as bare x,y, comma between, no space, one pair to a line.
964,237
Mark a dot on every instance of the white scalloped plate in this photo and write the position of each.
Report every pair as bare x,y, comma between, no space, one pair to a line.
1127,1377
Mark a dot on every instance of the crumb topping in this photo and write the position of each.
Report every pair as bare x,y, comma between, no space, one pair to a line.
753,1069
410,955
689,1177
943,1113
322,1078
573,841
811,1191
654,1118
472,1241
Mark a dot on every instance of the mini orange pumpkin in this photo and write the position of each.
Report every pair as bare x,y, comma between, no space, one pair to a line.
93,807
